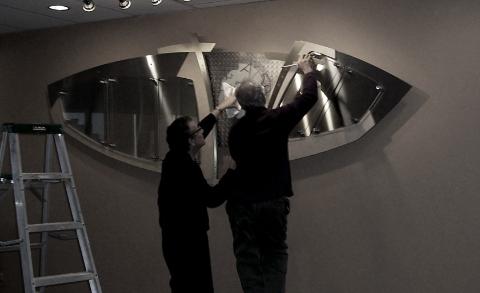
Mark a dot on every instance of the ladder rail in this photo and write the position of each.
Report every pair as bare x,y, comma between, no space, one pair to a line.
82,236
45,199
21,211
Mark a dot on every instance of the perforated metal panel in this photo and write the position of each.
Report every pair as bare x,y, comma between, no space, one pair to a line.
233,68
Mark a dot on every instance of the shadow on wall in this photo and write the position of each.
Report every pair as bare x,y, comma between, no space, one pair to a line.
350,212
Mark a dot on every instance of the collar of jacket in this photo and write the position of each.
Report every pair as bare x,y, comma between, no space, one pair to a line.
254,111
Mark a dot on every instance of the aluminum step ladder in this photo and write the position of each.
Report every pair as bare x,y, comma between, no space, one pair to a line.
22,181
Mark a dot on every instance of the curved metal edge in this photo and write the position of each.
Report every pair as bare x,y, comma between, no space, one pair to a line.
57,116
315,144
195,46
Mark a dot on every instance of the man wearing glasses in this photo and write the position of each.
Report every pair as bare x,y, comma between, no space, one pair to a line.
183,198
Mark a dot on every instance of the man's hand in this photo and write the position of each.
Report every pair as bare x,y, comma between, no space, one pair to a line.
227,102
305,64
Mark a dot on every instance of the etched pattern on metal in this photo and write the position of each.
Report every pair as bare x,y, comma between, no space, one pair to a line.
232,68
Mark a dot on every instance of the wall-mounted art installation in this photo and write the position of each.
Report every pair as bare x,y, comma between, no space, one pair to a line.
122,109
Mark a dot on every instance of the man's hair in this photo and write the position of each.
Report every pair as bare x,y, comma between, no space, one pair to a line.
178,134
250,94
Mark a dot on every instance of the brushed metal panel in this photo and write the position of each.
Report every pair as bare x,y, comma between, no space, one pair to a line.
353,97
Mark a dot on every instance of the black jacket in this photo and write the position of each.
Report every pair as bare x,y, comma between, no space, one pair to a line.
184,194
258,143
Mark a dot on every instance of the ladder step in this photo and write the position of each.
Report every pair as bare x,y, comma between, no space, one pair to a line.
39,128
16,247
62,279
9,242
60,226
45,176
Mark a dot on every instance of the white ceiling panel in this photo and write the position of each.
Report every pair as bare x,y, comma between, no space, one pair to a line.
24,15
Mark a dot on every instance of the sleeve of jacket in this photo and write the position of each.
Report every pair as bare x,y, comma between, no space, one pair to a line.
218,194
290,114
207,124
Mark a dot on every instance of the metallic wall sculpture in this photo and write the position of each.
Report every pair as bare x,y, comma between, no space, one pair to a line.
122,109
353,97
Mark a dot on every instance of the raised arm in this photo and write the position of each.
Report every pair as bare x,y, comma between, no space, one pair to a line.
209,121
213,196
293,112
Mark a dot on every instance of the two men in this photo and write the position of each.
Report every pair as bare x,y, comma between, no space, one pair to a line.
257,190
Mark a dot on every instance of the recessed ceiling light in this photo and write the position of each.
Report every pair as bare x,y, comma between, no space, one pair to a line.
156,2
88,5
58,7
124,4
186,0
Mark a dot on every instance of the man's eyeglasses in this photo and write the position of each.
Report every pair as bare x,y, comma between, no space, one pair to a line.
195,131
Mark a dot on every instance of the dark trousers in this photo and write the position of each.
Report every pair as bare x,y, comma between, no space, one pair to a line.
259,242
188,259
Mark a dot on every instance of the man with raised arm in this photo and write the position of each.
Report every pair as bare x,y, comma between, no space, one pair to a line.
259,204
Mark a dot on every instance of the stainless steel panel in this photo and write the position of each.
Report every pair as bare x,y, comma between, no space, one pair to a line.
125,107
353,97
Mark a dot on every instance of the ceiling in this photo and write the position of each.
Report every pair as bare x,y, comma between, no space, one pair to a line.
25,15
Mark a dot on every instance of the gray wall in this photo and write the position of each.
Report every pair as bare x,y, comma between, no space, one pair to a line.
394,212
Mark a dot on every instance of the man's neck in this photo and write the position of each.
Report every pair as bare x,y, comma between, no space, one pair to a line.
194,154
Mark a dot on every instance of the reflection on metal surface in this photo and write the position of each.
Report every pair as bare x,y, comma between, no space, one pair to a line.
353,97
122,109
344,97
